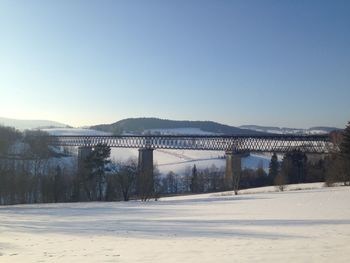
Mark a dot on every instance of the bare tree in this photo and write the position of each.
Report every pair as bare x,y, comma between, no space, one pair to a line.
282,177
281,181
125,177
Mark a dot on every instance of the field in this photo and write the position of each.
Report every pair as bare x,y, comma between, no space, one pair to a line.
294,226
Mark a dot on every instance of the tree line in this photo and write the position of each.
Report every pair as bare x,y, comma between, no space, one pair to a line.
333,168
31,171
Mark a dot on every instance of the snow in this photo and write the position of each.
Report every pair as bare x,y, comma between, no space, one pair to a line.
73,131
29,124
179,131
205,159
277,130
295,226
317,131
178,160
270,189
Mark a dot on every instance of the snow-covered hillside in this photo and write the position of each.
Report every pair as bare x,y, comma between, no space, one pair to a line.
179,160
179,131
73,131
278,130
29,124
296,226
206,159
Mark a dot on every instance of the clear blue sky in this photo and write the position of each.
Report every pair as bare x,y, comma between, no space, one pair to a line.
284,63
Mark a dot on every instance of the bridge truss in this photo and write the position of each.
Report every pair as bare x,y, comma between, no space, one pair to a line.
267,143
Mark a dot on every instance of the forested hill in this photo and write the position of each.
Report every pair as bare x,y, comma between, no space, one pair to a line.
160,126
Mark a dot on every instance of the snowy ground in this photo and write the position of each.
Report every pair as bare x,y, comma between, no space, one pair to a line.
295,226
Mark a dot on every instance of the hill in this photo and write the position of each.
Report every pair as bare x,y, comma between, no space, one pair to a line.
30,124
160,126
284,130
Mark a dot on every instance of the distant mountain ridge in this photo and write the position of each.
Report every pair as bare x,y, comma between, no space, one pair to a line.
30,124
283,130
162,126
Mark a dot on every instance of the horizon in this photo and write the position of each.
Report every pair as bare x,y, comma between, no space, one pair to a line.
238,126
83,63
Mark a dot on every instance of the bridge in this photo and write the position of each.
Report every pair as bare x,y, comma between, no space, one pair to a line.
233,146
242,143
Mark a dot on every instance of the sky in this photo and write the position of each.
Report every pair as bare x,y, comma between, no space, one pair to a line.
280,63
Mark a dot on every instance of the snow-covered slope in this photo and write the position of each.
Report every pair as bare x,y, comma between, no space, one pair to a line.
179,160
278,130
296,226
204,160
73,131
179,131
29,124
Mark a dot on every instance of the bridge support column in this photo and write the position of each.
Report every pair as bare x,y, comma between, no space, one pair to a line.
145,180
233,171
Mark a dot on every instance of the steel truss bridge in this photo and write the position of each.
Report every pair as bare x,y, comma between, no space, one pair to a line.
317,144
233,146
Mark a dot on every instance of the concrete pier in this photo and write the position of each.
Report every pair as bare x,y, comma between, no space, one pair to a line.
233,170
145,178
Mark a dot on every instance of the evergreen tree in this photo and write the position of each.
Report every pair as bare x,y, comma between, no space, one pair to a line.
273,168
345,144
345,153
96,162
294,166
171,182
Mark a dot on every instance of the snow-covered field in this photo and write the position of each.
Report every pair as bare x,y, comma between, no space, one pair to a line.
295,226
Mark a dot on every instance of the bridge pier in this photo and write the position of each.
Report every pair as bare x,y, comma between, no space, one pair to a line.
145,180
233,170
